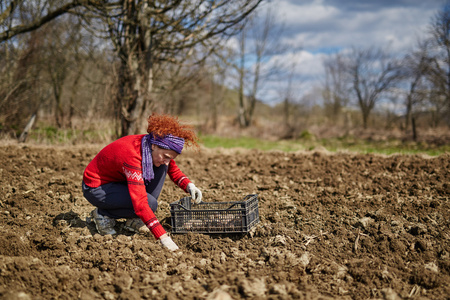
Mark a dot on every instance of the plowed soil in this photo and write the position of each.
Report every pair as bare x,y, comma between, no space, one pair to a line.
332,226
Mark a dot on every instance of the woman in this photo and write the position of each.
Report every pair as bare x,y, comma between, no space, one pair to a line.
125,178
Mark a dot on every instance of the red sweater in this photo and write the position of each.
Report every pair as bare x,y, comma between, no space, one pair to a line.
122,161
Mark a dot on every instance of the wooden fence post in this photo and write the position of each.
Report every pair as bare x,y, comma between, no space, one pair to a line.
23,136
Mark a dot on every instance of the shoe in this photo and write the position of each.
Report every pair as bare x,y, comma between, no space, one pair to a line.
104,224
136,225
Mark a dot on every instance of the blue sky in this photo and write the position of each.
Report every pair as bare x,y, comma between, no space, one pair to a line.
321,27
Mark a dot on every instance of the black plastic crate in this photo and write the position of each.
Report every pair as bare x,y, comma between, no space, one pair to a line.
214,217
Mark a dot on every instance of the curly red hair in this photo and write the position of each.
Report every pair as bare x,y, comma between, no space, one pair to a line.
161,125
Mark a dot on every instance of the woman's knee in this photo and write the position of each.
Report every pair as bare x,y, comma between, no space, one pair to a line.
152,202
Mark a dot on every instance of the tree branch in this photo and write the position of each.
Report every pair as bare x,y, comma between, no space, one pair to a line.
19,29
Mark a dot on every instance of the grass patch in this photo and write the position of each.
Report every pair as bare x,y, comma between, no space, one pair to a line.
383,147
103,135
50,135
98,132
334,145
211,141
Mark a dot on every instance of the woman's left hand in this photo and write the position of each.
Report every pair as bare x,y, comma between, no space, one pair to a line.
196,194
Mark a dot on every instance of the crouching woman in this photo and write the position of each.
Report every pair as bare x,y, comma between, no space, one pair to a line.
125,179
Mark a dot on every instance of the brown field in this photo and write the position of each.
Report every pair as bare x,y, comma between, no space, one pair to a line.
333,226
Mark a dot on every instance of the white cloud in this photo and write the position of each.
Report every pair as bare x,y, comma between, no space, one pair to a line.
295,14
321,27
315,25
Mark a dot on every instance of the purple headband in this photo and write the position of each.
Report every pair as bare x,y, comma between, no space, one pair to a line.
169,142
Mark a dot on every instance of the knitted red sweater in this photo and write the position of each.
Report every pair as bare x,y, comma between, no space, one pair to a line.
122,161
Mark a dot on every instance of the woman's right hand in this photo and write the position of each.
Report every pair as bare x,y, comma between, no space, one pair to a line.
168,243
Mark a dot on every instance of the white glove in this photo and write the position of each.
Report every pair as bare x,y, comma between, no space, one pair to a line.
168,243
196,194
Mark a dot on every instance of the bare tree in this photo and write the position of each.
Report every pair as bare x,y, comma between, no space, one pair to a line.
61,45
439,62
414,71
373,73
263,34
288,102
243,121
175,85
149,33
20,77
336,87
41,56
218,74
144,34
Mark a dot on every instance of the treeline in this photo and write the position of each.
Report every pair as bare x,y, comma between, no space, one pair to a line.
110,59
76,62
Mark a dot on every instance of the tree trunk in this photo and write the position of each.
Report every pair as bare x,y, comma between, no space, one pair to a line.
73,95
59,112
214,103
136,76
251,108
286,105
365,116
242,101
408,112
134,98
414,129
336,108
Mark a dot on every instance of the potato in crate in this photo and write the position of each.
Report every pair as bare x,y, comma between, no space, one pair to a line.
214,217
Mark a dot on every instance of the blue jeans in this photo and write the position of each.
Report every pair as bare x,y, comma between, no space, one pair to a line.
113,199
